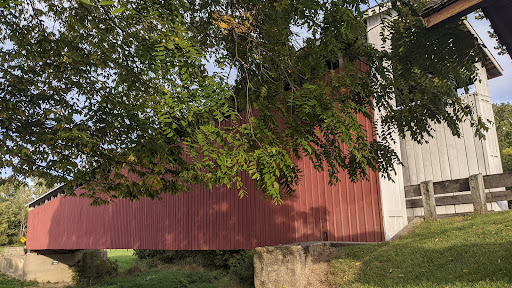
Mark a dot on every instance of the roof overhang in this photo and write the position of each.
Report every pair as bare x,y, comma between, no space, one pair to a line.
492,66
497,11
50,195
438,11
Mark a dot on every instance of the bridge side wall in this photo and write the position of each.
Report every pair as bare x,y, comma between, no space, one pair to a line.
215,219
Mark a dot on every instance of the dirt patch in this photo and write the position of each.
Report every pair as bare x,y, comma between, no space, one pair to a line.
319,269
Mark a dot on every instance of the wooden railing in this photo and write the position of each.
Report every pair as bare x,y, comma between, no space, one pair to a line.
428,190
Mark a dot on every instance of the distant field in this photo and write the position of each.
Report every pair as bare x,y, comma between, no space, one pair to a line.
123,257
471,251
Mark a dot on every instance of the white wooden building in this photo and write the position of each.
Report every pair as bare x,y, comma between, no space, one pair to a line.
444,157
447,157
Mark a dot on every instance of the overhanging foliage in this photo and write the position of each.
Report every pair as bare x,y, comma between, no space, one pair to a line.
94,91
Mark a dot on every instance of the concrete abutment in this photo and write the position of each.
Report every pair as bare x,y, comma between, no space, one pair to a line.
297,265
43,266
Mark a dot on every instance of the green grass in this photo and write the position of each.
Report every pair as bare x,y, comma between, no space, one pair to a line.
171,277
123,257
6,282
160,275
471,251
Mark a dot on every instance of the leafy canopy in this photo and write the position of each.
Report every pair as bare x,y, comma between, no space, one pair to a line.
503,121
13,212
138,98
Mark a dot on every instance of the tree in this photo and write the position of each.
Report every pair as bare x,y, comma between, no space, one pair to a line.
503,121
7,223
13,212
117,96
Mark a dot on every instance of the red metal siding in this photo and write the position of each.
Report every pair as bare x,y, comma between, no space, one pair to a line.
215,219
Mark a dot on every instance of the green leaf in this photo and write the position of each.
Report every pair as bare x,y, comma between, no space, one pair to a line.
107,3
118,10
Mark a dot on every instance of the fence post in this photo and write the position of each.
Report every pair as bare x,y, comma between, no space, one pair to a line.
429,200
476,184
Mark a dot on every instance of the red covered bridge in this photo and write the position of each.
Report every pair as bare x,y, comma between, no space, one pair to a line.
206,219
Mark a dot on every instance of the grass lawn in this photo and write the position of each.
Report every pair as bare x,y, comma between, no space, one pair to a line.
471,251
171,278
123,257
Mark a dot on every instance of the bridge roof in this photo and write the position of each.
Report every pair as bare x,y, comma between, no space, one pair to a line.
497,11
50,195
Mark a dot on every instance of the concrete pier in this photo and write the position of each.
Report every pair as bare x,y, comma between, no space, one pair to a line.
48,266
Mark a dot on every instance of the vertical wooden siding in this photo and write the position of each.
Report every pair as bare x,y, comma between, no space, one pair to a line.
447,157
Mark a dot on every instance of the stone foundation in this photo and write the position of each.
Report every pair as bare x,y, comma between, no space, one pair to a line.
51,267
296,265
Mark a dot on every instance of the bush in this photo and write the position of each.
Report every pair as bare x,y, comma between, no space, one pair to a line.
241,266
134,270
215,259
92,268
238,263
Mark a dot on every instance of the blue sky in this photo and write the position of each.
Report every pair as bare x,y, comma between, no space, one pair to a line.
500,87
